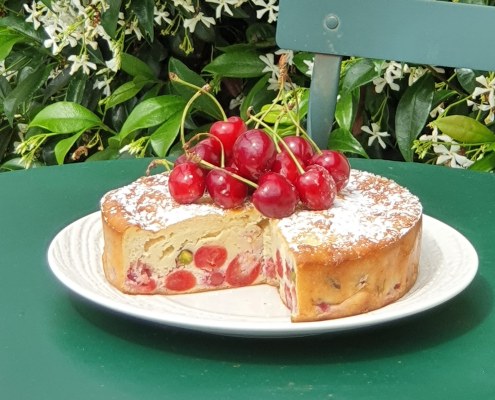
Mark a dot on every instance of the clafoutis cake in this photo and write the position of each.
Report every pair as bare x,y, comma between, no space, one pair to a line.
360,254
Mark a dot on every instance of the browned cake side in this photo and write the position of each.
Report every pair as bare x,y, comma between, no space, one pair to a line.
360,255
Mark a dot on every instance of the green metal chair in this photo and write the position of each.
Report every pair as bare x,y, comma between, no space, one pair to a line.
398,30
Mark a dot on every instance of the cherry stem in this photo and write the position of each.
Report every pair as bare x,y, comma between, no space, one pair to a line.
204,90
299,127
155,163
197,136
183,118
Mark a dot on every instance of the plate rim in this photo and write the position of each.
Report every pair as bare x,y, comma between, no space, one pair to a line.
274,329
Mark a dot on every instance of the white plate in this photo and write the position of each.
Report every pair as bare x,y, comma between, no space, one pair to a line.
448,264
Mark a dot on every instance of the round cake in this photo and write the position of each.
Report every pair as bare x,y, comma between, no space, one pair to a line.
359,255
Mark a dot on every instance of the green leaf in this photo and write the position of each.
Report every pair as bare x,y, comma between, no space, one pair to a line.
110,18
151,112
486,164
360,73
342,140
24,91
412,113
76,87
257,96
164,137
344,109
125,92
108,153
57,84
19,25
66,117
236,64
63,146
467,79
203,103
135,67
143,9
465,129
7,41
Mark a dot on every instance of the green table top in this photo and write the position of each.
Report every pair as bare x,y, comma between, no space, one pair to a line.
55,345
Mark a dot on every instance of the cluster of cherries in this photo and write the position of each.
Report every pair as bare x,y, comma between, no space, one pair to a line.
233,163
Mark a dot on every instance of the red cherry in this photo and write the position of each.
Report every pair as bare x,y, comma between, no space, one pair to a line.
206,150
215,279
335,163
228,132
186,183
299,147
253,153
139,277
243,269
316,188
285,165
180,281
225,190
210,257
276,196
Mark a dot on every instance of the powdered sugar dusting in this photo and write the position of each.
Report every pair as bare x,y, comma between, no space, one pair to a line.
147,204
369,210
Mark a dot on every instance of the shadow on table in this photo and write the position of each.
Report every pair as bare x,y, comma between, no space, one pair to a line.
427,330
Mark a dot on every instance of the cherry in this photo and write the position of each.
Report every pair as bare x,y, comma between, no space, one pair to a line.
276,196
225,190
180,281
210,257
139,277
243,269
335,163
186,182
228,132
284,165
316,188
299,147
215,279
207,150
253,153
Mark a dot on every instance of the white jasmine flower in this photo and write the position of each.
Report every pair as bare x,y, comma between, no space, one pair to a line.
35,12
160,14
236,102
393,71
223,6
486,93
435,137
269,61
268,6
273,83
81,61
375,134
104,84
449,155
185,4
133,28
438,110
310,64
191,23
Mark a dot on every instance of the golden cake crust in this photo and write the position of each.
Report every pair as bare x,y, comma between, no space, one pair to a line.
359,255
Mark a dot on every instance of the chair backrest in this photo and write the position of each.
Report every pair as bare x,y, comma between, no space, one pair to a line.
436,33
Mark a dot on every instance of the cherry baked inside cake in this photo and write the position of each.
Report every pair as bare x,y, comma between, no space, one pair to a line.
359,254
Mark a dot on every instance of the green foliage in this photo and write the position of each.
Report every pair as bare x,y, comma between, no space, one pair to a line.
116,80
